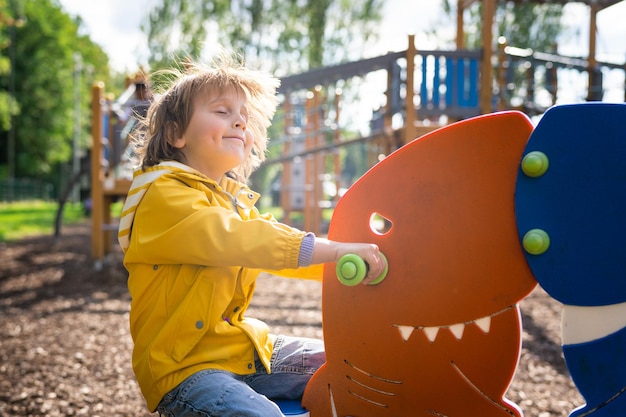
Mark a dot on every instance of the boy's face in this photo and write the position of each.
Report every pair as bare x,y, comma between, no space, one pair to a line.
216,139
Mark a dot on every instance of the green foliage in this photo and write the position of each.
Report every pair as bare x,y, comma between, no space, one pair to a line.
530,26
524,25
8,107
18,220
288,35
42,51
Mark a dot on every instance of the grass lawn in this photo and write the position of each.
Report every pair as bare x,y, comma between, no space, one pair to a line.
28,218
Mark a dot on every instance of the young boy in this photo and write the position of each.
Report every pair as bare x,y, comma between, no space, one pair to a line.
195,244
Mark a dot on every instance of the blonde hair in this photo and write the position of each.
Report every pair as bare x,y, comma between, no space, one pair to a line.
170,112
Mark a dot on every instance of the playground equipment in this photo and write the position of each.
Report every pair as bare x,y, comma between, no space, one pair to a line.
591,65
476,213
578,203
111,173
441,334
531,65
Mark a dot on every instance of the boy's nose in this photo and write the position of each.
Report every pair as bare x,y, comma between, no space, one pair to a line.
240,122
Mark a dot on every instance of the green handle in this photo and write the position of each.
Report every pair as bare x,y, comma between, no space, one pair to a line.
536,241
535,164
351,270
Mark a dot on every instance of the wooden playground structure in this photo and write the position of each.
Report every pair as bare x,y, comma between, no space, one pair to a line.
111,175
422,88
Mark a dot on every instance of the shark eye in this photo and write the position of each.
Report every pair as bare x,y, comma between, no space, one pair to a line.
380,224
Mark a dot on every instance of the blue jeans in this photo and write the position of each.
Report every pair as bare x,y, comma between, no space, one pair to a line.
215,393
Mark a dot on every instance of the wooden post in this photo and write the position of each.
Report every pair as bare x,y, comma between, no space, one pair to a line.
309,196
285,192
97,176
555,86
501,73
460,29
336,141
318,160
486,73
387,120
591,59
411,115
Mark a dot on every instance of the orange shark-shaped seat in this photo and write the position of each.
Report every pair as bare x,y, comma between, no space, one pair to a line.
441,335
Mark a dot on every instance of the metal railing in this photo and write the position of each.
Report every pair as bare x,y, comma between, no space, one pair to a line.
20,189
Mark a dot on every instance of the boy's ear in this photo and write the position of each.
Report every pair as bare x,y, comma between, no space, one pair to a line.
173,138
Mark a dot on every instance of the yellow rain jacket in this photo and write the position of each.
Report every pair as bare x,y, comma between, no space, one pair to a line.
193,250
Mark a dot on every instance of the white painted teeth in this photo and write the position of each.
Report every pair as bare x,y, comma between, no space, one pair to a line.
431,333
484,324
457,330
405,332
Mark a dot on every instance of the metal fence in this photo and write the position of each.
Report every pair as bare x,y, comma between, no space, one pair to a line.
20,189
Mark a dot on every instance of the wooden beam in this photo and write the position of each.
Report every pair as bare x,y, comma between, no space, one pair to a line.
467,3
461,6
591,58
486,76
97,176
286,181
411,116
593,30
331,74
460,29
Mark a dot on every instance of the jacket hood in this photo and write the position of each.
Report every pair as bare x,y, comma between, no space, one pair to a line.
142,180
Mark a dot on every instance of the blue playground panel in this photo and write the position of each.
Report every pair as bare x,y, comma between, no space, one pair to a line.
580,202
462,82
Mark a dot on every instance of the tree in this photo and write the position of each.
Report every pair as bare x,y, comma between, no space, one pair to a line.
7,104
41,83
284,36
529,25
523,24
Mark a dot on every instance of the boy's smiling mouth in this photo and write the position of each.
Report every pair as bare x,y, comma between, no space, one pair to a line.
239,138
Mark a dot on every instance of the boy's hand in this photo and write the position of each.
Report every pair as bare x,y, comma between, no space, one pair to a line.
330,251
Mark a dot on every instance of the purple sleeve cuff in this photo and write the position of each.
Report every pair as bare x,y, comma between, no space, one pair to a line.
306,250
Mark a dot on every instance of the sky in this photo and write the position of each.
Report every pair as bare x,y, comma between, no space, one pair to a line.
116,26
